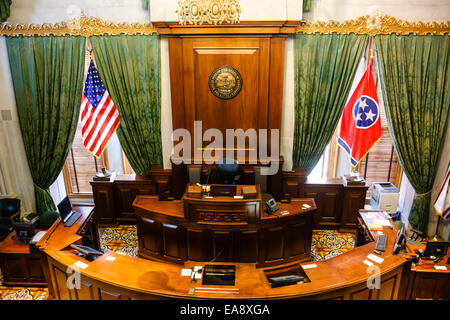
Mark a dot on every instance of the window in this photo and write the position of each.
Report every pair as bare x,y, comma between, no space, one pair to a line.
81,165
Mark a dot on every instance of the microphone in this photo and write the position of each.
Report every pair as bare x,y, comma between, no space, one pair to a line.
59,221
209,174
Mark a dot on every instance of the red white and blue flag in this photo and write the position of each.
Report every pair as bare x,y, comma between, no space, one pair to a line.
442,203
99,115
360,124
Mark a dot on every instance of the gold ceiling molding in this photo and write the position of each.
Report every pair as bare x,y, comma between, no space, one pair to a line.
82,26
208,11
373,25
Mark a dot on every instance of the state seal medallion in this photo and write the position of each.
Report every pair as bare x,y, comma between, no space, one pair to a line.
225,82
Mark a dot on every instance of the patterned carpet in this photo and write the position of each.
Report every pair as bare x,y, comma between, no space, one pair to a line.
330,243
123,239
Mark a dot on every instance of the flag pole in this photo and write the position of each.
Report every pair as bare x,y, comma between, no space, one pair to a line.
436,236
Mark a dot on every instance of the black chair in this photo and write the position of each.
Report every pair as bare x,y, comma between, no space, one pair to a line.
228,171
8,207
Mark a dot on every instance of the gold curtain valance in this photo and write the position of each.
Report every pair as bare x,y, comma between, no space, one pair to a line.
369,24
77,27
373,25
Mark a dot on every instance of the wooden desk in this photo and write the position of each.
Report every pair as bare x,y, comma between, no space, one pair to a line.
19,266
426,282
213,229
341,277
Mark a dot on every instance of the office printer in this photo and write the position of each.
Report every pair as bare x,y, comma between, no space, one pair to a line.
384,197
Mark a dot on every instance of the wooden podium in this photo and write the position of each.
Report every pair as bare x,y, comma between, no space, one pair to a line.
224,229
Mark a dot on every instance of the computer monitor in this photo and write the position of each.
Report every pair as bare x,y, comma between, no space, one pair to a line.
399,241
65,209
25,232
86,252
436,249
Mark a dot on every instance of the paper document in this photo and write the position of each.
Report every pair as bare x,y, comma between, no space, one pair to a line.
368,263
81,264
440,267
309,266
375,258
186,272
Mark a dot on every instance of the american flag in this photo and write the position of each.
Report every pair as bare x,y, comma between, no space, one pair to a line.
99,115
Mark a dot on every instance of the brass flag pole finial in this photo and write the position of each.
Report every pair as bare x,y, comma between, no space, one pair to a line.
372,53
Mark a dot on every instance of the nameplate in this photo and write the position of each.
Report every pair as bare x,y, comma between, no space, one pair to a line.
368,263
81,264
186,272
375,258
309,266
440,267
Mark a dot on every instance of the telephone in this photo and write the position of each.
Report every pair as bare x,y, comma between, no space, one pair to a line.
271,206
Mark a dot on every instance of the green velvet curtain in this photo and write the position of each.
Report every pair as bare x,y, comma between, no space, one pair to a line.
324,68
130,68
4,9
47,74
306,5
415,74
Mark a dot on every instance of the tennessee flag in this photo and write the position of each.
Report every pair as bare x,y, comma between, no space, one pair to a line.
442,203
360,124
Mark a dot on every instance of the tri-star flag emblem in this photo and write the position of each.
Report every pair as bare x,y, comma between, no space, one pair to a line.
365,112
360,124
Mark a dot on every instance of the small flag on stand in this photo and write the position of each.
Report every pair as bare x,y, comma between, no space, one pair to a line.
99,115
442,203
360,124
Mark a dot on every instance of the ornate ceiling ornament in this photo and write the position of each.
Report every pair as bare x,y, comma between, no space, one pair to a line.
375,24
82,26
208,11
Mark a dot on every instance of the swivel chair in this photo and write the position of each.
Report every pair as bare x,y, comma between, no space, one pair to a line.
8,207
228,171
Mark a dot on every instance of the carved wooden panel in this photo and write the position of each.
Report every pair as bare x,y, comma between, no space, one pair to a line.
21,269
295,245
60,284
125,193
149,235
85,292
35,272
174,242
247,246
354,200
14,268
273,244
199,245
222,245
259,61
431,285
109,295
361,294
328,200
387,289
227,213
104,203
206,215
